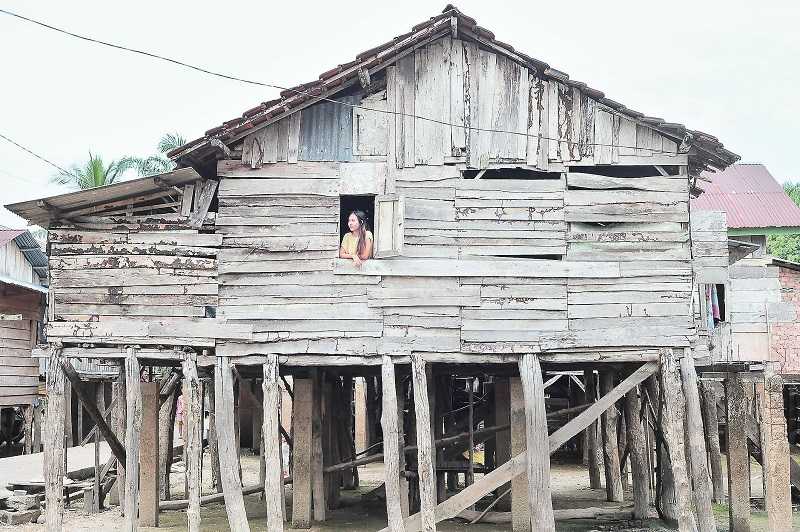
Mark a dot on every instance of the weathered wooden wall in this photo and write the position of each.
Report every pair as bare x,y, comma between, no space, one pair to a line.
20,314
14,264
131,277
479,92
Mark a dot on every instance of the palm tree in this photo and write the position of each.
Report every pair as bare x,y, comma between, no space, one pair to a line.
159,163
94,172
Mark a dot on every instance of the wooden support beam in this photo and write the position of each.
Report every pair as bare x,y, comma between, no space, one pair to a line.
27,447
132,432
539,497
425,449
594,439
228,451
517,465
638,453
301,455
391,448
193,418
213,440
520,502
273,479
405,503
148,456
673,423
775,453
118,420
88,400
614,491
320,504
708,401
738,454
54,444
697,447
502,446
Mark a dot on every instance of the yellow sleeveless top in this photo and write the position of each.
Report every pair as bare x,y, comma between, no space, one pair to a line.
350,242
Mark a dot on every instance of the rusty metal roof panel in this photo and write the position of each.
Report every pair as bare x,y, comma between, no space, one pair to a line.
750,196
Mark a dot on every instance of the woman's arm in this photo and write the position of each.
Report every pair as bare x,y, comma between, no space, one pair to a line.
343,254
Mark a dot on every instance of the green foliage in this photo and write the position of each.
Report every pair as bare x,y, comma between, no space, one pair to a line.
159,163
787,246
94,172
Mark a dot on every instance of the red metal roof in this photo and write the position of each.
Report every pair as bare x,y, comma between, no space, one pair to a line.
7,235
750,196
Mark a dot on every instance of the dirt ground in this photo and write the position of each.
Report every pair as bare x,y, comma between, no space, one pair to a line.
569,483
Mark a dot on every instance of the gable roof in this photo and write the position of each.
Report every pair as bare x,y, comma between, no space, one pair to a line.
750,196
708,150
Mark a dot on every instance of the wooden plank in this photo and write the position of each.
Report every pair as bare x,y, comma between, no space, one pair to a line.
301,466
53,435
614,491
697,448
637,446
538,122
479,268
737,405
673,426
317,479
132,432
391,450
271,448
458,133
148,456
405,99
432,101
708,398
425,465
228,451
193,400
539,496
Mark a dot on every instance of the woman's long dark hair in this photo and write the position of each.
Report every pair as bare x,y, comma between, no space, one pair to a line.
362,230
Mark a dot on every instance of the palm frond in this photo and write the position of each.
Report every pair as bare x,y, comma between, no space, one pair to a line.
170,141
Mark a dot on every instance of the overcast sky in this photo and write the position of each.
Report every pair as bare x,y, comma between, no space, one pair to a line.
727,68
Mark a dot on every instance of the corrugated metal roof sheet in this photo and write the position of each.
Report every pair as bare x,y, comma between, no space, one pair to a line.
709,150
28,246
750,196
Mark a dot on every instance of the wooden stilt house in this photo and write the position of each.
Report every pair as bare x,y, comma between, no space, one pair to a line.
523,223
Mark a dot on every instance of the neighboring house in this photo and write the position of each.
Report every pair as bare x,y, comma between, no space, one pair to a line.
23,274
760,304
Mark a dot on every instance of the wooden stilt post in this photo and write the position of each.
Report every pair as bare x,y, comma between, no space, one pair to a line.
540,501
469,478
610,446
738,454
228,453
433,408
213,440
401,438
193,419
149,471
273,478
166,433
502,447
697,446
320,505
673,412
708,399
38,413
132,432
119,420
425,448
391,447
69,414
520,504
54,444
301,456
638,453
775,453
360,398
349,476
667,494
593,440
622,442
27,445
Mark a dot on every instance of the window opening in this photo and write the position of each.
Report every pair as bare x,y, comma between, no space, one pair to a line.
509,173
625,171
348,204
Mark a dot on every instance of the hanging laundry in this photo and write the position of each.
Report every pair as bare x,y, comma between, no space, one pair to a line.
715,303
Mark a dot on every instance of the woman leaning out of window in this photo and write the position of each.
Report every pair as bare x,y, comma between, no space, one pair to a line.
357,244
